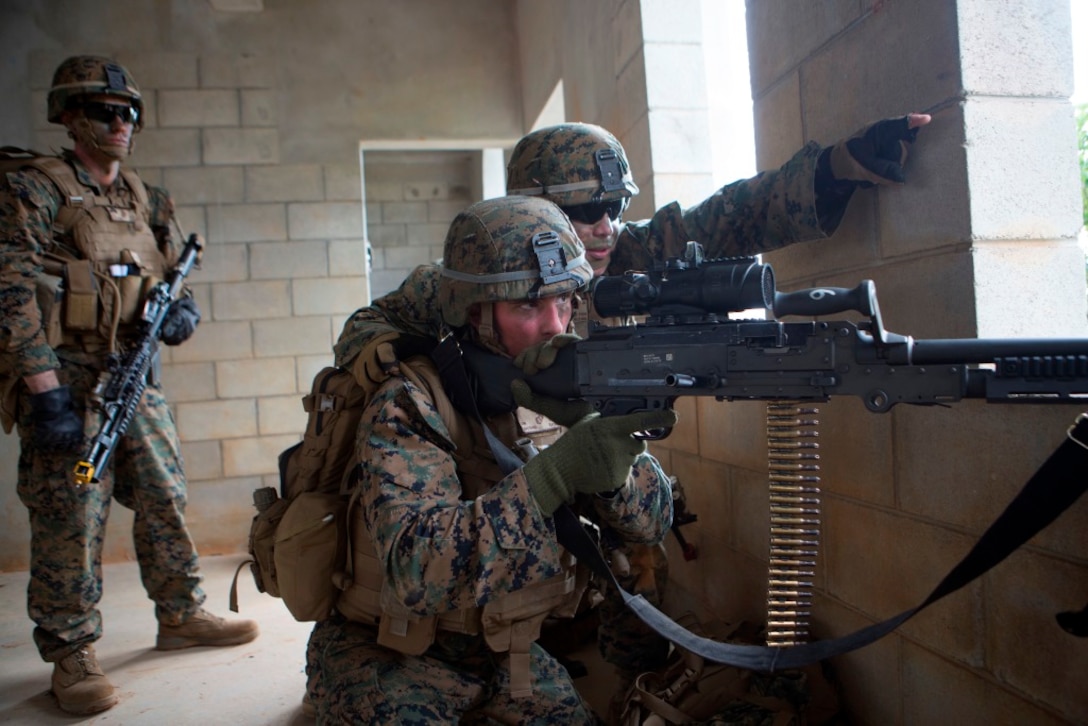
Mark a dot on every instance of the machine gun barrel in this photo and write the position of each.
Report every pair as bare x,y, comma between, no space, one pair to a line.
120,394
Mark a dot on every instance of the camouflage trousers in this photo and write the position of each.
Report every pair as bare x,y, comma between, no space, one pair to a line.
458,680
68,522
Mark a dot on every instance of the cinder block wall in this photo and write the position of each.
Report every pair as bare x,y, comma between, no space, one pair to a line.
980,242
259,146
411,198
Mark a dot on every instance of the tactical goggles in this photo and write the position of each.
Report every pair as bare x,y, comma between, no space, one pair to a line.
591,213
106,112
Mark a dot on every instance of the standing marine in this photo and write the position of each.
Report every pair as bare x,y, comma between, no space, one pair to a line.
82,241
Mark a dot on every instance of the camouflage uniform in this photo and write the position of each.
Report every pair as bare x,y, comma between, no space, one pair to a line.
455,533
68,522
748,217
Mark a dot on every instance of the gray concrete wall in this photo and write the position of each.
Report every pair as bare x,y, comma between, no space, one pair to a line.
980,242
254,121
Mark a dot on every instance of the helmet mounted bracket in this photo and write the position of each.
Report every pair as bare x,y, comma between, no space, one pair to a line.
115,78
608,163
550,256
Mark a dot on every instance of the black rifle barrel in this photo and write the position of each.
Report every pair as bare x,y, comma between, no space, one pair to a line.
988,350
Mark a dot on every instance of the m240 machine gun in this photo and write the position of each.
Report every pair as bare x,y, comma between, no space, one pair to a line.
688,345
118,393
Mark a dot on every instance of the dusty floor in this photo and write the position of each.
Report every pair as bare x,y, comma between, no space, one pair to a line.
258,683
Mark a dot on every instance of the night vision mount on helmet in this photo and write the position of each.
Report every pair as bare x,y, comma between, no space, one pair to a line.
85,75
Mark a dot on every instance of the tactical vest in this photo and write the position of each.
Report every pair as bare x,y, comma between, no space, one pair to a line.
508,624
103,261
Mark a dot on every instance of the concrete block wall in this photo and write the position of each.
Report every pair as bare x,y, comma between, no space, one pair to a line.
254,122
411,198
978,243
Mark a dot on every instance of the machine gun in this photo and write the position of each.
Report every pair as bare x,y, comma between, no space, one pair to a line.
689,346
119,391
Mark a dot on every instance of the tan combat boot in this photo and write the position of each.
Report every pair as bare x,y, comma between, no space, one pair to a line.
203,628
80,685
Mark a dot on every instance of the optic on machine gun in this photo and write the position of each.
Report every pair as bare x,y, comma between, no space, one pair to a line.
687,285
691,288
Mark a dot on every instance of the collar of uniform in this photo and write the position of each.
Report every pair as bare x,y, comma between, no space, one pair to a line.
83,175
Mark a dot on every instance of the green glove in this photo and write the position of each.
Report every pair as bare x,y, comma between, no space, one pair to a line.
534,359
593,457
564,413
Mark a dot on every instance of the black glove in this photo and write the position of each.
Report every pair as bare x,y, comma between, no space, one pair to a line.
875,154
56,427
181,320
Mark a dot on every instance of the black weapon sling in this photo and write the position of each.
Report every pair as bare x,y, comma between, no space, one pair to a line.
1052,489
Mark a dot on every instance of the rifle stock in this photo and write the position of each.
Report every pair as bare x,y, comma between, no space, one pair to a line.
118,393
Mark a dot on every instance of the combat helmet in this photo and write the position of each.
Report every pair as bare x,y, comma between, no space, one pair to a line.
509,248
571,164
83,75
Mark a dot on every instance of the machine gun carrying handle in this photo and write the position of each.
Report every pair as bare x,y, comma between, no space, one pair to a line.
828,300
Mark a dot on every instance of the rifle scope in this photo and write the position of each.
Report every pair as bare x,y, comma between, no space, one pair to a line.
715,286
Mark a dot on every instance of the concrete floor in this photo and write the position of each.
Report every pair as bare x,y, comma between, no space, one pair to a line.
257,683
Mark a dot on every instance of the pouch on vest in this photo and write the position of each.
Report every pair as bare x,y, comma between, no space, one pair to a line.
318,469
307,551
262,538
49,290
363,574
81,298
132,287
406,633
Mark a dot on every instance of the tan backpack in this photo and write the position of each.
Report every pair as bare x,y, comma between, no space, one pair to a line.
296,540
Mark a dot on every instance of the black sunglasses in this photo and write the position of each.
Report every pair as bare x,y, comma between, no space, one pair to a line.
106,112
591,213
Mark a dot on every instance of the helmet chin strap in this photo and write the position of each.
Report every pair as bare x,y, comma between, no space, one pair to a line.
487,335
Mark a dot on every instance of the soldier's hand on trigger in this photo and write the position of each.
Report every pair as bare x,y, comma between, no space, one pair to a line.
180,322
536,358
55,426
594,457
564,413
876,153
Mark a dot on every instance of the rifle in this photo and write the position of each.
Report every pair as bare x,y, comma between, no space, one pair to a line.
688,346
118,393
